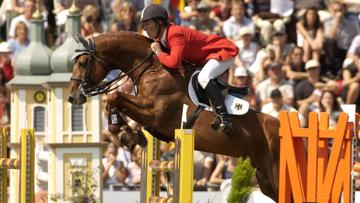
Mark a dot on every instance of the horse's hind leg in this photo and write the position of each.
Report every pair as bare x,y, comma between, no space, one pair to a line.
265,185
265,177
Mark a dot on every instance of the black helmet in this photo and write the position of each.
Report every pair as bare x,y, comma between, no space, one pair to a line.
153,11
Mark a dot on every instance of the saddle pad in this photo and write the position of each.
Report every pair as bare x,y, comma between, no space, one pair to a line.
234,105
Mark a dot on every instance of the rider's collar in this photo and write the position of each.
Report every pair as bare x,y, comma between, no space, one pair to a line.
163,37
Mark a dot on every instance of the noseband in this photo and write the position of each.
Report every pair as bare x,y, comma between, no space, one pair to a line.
85,83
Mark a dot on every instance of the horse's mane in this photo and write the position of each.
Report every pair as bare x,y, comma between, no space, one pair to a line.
132,41
125,38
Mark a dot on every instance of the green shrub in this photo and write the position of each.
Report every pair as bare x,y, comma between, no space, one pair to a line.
241,185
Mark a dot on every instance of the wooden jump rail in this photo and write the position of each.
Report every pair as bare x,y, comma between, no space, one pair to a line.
9,163
25,164
318,174
164,166
182,167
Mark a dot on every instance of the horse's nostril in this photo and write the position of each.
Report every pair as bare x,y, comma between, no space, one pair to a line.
71,99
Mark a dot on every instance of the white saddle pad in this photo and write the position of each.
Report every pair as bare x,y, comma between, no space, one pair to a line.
234,105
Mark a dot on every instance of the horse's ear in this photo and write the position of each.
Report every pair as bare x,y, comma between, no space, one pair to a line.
91,44
76,38
82,41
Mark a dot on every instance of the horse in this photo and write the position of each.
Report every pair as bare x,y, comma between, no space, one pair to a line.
161,93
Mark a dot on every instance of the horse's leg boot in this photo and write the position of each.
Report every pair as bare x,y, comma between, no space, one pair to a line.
222,122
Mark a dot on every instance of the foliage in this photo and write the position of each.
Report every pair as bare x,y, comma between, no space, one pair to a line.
241,185
82,186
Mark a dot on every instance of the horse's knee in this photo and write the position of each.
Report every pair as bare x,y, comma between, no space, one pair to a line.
111,99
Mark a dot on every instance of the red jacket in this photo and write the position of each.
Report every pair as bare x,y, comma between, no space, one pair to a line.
195,47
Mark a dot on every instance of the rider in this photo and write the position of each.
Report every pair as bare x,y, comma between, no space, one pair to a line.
215,53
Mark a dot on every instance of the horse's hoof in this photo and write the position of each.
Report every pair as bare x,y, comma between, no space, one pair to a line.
140,138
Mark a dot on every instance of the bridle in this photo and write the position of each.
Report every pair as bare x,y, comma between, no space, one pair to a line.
86,85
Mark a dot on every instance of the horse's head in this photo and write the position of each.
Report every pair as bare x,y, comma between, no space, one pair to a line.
87,72
127,52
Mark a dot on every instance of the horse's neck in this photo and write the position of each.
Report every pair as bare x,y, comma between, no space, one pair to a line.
134,66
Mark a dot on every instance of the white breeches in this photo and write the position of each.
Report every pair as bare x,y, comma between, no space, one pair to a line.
213,69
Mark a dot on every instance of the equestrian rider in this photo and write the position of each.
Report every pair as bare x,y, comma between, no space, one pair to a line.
215,53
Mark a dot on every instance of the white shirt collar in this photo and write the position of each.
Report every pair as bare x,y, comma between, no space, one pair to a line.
163,38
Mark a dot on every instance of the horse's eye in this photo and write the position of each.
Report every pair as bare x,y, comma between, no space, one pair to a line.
83,64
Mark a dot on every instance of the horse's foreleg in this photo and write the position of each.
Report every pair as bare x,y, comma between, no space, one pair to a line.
137,108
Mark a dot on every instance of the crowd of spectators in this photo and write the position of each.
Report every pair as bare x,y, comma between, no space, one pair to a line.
294,55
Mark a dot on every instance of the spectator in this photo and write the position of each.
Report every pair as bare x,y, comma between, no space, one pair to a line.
221,12
310,34
307,93
134,167
20,40
90,24
350,81
189,13
237,21
339,32
5,62
242,78
263,58
113,170
212,3
275,81
203,22
276,105
115,10
295,67
224,169
354,48
139,5
202,167
29,9
247,48
4,107
80,4
125,19
17,6
269,14
328,103
279,44
124,155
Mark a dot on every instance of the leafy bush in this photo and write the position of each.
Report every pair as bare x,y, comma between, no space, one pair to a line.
241,185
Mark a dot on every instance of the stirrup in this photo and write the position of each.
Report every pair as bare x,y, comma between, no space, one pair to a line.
220,127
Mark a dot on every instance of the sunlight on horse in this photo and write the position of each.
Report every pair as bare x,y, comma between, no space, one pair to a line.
161,95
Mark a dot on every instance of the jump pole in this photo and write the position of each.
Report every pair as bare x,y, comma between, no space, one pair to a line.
25,164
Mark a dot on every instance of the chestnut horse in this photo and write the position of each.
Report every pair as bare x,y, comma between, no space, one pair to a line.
161,93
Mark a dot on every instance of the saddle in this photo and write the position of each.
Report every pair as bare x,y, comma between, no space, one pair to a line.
234,102
239,92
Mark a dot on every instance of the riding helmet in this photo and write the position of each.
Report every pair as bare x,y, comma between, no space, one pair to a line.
153,11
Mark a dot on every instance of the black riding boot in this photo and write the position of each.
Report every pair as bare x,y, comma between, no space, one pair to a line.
222,122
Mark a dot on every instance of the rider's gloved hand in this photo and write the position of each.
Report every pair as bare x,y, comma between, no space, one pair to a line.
155,46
